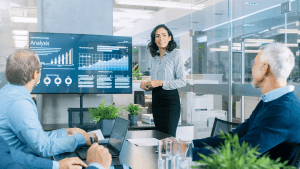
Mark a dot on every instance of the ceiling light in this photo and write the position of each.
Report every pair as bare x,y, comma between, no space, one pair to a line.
132,15
260,40
218,49
252,44
289,31
284,25
123,24
202,39
252,51
20,46
236,44
136,11
24,19
233,48
247,36
245,16
263,31
20,37
24,9
292,45
236,48
251,3
20,32
181,34
163,4
248,25
21,42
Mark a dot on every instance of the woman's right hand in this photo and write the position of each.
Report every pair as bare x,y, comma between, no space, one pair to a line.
143,85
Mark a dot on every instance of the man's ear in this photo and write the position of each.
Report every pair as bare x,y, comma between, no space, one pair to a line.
265,68
34,75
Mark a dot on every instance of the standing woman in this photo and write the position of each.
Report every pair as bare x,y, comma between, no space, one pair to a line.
167,74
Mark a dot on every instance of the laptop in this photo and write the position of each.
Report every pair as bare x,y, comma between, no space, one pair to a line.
115,141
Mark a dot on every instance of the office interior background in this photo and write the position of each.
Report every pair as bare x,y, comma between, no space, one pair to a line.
218,39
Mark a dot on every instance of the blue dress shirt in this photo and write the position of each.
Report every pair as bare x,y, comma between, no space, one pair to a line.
170,69
11,158
275,94
21,128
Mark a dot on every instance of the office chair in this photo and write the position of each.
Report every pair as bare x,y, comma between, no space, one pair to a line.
221,125
296,161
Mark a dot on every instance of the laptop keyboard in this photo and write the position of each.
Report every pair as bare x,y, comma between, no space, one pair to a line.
112,152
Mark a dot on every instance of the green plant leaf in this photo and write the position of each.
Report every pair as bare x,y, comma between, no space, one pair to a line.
103,112
232,155
133,109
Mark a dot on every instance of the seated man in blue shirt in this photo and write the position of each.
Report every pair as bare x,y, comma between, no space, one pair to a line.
19,123
274,124
98,157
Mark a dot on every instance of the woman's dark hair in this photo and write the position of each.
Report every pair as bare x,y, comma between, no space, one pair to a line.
153,48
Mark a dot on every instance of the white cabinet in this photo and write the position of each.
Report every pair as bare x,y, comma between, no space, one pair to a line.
203,122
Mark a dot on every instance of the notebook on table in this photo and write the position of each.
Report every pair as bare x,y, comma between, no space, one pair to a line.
115,141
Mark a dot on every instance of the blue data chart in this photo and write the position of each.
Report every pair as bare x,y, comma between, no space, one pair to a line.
103,62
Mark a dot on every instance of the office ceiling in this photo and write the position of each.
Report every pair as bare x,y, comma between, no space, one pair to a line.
179,20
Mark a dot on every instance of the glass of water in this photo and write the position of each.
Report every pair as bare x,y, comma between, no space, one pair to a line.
184,160
161,161
169,147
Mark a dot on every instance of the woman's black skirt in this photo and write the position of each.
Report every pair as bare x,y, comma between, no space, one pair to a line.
166,110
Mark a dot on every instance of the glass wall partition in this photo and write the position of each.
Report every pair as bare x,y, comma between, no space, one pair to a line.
256,24
207,79
218,41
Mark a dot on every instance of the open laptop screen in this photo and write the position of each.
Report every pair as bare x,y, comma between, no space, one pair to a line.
118,133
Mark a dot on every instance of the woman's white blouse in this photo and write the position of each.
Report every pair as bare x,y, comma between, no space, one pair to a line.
169,69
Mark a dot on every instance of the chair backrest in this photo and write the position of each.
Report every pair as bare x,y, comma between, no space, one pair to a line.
221,125
296,161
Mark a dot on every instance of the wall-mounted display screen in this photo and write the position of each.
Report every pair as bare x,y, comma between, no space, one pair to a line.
79,63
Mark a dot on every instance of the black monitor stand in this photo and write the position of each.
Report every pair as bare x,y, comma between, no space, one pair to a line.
81,110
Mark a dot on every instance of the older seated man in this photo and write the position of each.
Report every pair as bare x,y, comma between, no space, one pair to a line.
19,123
274,124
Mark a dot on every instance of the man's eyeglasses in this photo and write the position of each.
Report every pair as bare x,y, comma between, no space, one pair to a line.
42,67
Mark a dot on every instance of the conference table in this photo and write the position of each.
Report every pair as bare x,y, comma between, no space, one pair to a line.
135,157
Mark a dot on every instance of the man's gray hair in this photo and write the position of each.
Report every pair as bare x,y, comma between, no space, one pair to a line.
21,65
280,59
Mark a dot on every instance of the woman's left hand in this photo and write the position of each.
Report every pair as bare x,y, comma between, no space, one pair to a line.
154,83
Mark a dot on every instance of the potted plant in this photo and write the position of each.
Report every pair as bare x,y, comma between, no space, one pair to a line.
104,116
135,73
133,110
232,155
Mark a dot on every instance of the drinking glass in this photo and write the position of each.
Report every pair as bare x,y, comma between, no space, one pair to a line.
169,147
161,161
169,151
175,153
184,160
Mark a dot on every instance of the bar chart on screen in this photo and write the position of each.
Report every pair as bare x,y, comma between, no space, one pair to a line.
63,59
55,58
